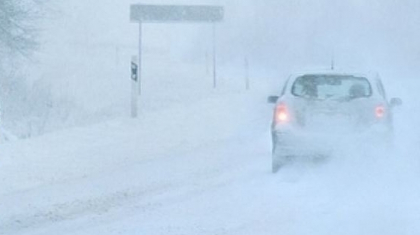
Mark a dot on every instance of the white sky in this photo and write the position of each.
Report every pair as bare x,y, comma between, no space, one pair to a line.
278,37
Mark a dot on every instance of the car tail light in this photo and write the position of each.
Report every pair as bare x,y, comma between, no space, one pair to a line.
380,111
281,114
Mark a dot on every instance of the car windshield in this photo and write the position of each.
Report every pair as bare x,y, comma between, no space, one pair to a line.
331,87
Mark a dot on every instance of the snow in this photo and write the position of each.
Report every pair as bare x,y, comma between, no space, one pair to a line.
198,160
201,167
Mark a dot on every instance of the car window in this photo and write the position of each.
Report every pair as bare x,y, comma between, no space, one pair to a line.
331,87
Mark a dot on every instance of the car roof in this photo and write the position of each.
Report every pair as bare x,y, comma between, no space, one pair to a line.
368,74
371,76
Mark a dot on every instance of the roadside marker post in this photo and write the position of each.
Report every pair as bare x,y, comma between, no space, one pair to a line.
134,80
247,82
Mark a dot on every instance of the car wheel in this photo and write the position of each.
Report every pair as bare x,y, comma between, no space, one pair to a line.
275,165
279,159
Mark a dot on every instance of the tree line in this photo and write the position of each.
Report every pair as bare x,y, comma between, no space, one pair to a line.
19,30
18,27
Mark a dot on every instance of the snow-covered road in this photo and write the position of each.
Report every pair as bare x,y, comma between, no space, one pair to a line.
163,175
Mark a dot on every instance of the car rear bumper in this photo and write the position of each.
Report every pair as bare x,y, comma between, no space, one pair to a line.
289,141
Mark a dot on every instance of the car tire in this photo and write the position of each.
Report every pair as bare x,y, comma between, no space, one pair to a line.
279,159
275,166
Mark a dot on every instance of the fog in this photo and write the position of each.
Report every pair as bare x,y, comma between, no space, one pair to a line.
277,37
197,159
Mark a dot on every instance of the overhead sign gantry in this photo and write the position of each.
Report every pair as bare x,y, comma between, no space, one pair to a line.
141,13
175,13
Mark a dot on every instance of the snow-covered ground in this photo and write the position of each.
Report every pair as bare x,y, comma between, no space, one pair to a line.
203,167
197,160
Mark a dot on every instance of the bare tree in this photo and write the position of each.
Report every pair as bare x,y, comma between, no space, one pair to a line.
18,21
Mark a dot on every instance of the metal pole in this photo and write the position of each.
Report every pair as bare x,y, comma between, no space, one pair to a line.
247,85
214,57
117,59
207,63
140,59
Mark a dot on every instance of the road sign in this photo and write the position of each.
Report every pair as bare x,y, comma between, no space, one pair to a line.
175,13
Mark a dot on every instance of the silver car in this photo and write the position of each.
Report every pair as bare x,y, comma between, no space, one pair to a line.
315,110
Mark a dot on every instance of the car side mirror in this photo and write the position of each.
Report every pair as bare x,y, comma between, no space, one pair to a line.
272,99
395,102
